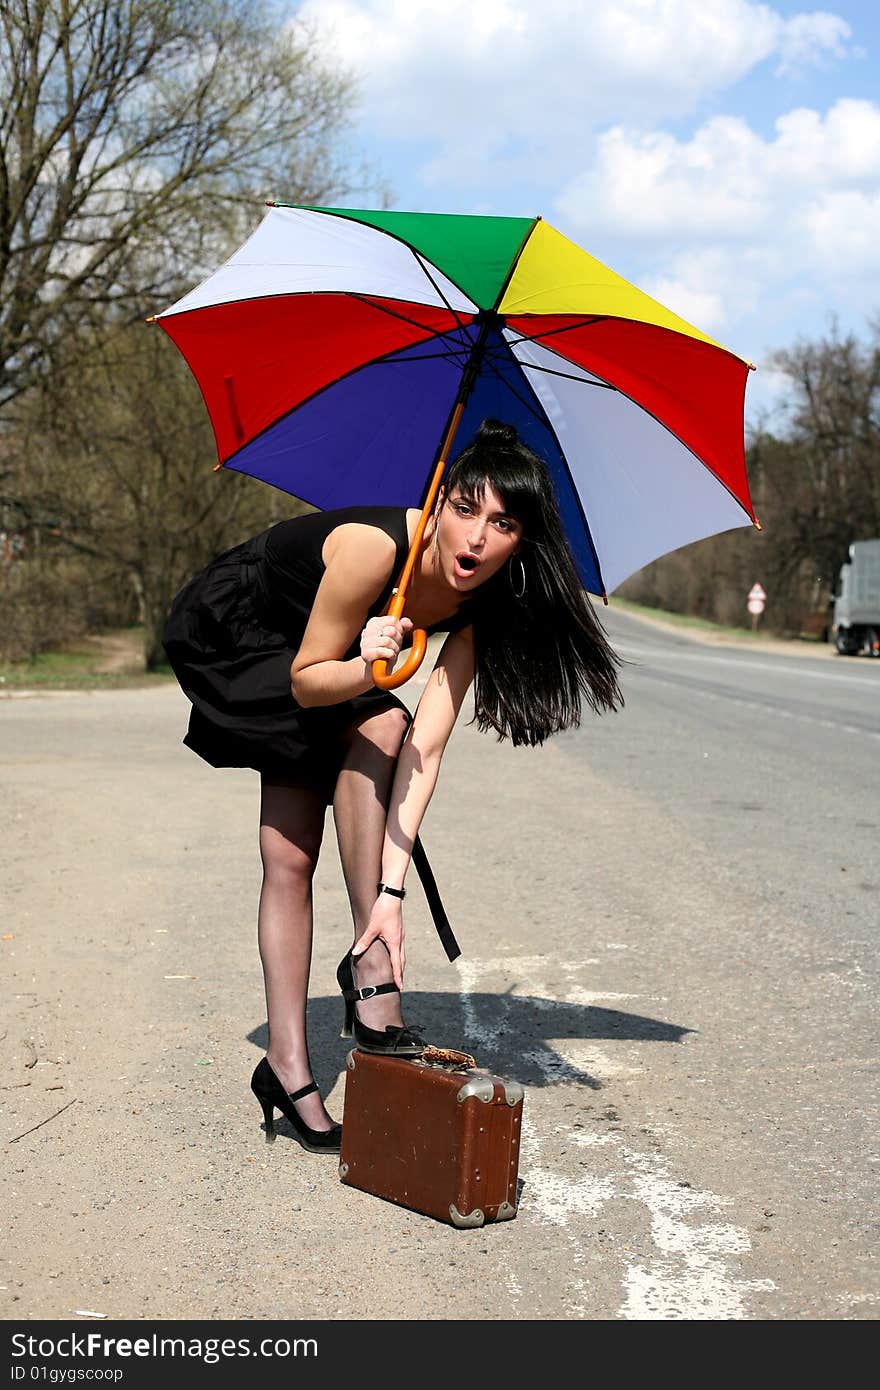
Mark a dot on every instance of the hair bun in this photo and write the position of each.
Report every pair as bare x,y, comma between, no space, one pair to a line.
495,432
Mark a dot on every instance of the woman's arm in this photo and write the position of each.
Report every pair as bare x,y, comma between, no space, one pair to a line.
418,765
356,574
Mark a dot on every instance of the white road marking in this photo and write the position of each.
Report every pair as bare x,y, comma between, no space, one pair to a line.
763,708
689,1273
688,1278
582,1057
548,1194
565,1059
854,1299
840,678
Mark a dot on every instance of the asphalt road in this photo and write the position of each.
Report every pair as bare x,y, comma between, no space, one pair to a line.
789,794
669,922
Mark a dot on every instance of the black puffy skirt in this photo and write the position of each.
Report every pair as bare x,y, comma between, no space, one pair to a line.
234,666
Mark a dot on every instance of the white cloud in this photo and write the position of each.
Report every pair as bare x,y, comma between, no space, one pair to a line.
844,234
655,186
844,145
507,87
808,39
726,181
733,223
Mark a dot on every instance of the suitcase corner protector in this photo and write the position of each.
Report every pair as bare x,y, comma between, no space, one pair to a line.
480,1086
462,1220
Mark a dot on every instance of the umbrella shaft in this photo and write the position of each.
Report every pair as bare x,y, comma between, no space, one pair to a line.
467,384
415,550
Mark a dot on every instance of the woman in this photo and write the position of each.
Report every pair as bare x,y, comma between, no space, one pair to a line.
274,642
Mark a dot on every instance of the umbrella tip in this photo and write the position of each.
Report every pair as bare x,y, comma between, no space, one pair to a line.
150,319
270,203
758,526
217,467
604,598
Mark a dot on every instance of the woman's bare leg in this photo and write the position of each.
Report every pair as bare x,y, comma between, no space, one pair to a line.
291,830
360,806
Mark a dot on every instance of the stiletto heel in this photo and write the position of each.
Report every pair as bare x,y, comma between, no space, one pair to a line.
349,1019
398,1042
272,1095
269,1118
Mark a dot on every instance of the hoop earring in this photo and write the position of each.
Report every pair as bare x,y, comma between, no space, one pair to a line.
522,592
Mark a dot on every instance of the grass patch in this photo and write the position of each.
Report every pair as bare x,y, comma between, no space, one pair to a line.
104,661
736,634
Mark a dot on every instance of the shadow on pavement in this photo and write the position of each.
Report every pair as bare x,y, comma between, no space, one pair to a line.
512,1035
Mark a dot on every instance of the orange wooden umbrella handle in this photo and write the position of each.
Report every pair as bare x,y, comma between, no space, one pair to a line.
389,680
382,677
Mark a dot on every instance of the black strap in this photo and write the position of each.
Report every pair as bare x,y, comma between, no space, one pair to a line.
368,991
441,921
426,878
306,1091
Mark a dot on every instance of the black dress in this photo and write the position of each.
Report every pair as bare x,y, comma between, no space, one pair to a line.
231,636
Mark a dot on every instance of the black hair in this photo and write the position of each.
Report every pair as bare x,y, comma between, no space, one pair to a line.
536,658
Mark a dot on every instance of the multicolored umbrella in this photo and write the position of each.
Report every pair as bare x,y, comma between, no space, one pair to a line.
338,351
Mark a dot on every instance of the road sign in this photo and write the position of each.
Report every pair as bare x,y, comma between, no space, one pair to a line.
755,605
757,592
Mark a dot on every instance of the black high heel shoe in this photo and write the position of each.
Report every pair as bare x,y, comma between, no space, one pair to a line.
395,1042
271,1094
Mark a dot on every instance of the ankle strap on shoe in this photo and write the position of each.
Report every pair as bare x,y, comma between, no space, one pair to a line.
369,991
306,1091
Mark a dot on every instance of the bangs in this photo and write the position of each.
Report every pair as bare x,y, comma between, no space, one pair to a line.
470,476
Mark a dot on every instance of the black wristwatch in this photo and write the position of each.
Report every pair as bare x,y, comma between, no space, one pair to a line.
395,892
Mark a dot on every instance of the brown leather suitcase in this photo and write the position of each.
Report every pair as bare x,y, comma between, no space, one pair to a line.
441,1141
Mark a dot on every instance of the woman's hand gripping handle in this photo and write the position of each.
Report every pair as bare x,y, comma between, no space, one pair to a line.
383,677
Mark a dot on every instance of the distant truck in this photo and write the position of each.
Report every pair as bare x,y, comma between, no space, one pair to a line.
855,626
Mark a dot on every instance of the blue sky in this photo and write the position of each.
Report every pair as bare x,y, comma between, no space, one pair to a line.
724,155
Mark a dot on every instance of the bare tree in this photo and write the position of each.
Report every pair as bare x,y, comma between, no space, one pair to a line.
114,465
825,481
133,133
816,487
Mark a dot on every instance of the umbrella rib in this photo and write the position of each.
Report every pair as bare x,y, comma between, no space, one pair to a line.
467,347
423,263
396,314
568,376
461,351
585,322
451,356
538,414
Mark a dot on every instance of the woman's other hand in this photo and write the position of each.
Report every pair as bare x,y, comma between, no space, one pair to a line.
386,925
382,639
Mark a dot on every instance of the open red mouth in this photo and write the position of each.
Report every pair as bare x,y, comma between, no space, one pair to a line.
467,562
